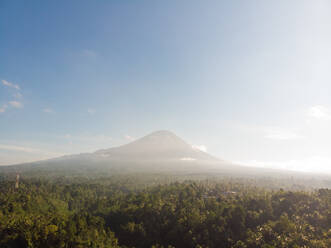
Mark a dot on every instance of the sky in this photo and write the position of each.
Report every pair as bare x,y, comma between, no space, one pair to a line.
247,81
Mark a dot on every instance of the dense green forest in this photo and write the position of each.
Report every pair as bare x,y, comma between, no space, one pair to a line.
157,211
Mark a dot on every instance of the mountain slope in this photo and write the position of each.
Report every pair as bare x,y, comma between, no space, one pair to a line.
158,146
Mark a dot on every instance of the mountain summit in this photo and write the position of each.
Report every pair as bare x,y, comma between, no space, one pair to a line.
160,145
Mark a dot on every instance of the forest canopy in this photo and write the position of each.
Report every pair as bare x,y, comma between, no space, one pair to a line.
161,211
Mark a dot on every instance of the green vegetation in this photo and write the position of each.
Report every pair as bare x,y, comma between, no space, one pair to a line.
156,211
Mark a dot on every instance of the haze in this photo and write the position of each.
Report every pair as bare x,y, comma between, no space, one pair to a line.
246,81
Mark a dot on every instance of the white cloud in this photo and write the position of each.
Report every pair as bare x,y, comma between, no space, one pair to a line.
16,104
200,148
129,138
11,85
269,132
187,159
317,164
319,112
276,133
91,111
3,108
17,95
48,110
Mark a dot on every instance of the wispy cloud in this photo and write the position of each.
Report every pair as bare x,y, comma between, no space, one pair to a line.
18,148
16,104
277,133
11,85
16,95
187,159
317,164
48,110
3,108
13,154
128,137
202,148
91,111
319,112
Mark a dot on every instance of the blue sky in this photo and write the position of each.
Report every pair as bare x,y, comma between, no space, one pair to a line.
247,80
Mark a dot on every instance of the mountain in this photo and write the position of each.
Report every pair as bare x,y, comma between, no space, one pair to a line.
160,151
157,146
